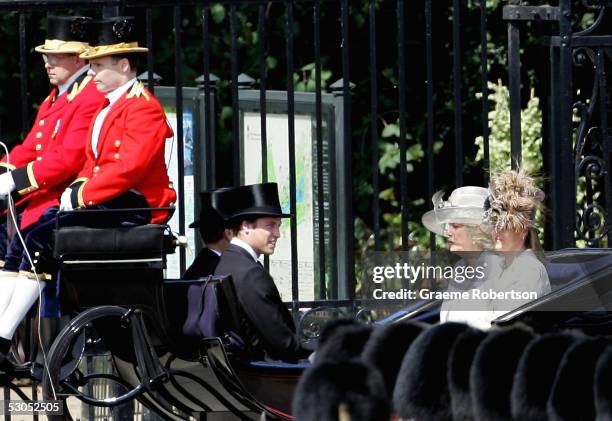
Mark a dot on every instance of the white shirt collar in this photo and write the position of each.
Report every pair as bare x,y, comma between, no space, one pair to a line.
238,242
64,86
114,96
217,252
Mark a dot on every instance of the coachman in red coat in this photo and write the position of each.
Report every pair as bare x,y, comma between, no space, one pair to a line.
124,165
38,170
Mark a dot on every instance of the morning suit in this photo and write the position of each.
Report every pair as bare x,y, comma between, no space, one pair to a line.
204,264
54,150
261,302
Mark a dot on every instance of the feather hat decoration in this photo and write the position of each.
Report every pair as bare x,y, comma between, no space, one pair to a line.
513,201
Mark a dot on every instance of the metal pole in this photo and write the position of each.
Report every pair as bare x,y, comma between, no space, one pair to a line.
430,110
349,248
485,90
401,45
23,67
565,145
209,150
514,82
235,105
374,128
319,140
178,75
457,78
291,139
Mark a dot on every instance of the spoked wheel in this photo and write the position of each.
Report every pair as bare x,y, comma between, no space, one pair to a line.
68,371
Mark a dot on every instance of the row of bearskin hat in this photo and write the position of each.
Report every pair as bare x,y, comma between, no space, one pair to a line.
450,371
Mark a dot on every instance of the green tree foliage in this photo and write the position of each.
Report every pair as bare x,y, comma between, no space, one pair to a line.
499,132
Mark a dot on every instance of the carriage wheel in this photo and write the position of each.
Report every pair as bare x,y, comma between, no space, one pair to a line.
64,378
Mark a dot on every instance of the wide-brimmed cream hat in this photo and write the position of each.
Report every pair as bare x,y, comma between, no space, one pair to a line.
65,35
111,36
464,206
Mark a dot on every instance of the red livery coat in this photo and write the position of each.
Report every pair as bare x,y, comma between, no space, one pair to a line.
130,155
54,150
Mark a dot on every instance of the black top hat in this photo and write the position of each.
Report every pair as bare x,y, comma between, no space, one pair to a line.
65,35
255,200
208,211
110,36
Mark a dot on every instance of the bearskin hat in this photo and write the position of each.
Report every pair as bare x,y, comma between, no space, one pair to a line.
458,374
572,396
421,390
386,348
346,342
492,372
513,201
325,389
535,375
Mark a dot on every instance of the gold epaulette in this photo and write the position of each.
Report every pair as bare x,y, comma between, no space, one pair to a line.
137,90
77,88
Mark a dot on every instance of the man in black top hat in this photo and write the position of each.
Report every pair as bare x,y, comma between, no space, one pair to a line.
254,214
215,236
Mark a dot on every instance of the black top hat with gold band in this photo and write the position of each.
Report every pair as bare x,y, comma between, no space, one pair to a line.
66,35
111,36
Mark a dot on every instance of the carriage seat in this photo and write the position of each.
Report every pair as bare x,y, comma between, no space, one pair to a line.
143,244
112,266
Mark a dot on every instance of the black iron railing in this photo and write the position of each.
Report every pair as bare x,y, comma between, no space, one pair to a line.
331,33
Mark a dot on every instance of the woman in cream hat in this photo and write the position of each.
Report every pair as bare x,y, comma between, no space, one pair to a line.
460,220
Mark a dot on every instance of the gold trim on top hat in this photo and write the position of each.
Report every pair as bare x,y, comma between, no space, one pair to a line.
58,46
112,49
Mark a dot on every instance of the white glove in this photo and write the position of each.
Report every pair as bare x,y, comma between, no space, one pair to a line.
7,185
65,202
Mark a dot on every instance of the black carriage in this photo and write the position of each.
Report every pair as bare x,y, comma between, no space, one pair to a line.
113,280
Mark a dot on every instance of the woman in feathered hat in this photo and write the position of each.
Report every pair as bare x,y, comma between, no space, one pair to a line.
460,220
510,213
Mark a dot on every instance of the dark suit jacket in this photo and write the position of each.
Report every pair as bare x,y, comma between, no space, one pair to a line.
262,305
204,264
